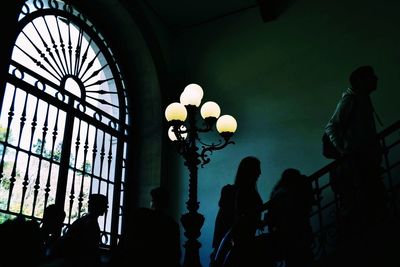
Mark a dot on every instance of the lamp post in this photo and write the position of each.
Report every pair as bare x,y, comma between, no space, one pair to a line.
184,132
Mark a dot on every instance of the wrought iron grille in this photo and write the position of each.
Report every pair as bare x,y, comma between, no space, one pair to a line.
64,119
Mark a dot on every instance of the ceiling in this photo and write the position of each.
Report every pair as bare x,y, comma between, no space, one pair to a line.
180,14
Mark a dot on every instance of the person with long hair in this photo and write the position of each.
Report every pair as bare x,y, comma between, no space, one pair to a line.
239,217
288,219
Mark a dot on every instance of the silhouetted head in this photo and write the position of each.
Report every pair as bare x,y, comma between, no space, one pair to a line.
159,198
98,204
248,171
53,218
296,182
363,80
289,177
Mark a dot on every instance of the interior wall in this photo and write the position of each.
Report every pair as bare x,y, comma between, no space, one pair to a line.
281,80
139,71
159,38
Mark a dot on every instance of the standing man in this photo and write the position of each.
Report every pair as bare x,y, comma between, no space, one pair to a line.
152,237
352,130
169,230
82,240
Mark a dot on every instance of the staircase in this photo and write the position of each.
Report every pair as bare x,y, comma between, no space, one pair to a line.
376,246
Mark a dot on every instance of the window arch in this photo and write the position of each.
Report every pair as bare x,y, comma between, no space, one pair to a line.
64,119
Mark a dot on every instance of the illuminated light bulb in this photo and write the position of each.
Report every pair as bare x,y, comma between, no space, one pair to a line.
210,109
226,123
175,112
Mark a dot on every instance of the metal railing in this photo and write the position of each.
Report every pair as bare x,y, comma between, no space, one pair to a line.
324,217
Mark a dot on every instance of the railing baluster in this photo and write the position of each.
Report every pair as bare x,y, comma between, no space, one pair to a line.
69,47
94,156
64,63
84,57
50,34
54,138
37,181
109,157
78,51
7,135
90,65
12,178
72,192
84,173
41,54
102,155
25,183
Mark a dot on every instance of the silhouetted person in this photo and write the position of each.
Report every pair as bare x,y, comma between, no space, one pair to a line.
288,219
50,230
238,218
152,237
352,130
20,243
170,232
81,241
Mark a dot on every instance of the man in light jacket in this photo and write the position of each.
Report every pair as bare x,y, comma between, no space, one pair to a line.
352,130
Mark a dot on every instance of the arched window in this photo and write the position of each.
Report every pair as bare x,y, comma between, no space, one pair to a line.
64,119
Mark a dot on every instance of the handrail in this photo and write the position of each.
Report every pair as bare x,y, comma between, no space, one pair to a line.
390,129
324,215
324,170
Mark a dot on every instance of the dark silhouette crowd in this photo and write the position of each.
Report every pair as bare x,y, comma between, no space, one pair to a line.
43,244
153,236
248,231
237,240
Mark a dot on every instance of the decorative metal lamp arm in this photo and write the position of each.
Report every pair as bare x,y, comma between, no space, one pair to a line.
208,149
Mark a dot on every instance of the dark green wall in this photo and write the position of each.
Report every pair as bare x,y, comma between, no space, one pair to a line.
282,80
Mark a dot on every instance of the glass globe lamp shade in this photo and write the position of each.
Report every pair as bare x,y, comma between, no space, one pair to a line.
175,112
226,124
171,133
210,109
194,87
192,95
